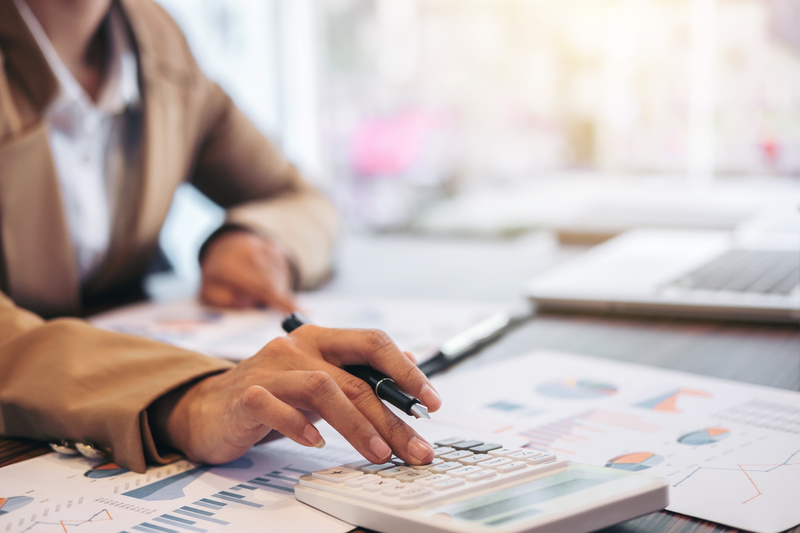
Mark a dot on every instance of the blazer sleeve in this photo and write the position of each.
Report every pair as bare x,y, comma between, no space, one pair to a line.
237,167
65,379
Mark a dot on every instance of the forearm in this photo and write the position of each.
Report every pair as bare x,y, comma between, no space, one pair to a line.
65,379
239,169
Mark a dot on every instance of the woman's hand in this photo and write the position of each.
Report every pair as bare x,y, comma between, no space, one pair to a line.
243,269
219,418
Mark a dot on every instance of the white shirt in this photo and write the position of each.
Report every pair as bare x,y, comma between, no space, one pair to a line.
93,144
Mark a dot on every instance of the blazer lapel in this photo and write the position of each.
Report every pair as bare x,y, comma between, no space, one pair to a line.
39,260
24,57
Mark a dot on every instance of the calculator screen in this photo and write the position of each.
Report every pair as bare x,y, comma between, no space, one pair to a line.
529,499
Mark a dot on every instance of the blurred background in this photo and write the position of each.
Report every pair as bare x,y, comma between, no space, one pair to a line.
492,118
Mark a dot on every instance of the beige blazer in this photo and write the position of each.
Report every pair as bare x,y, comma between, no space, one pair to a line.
62,378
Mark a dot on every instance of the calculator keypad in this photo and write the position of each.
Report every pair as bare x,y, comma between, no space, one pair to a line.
466,445
455,456
442,450
485,447
396,471
461,466
474,459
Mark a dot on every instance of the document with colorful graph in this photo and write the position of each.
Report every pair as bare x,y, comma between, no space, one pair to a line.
730,451
66,494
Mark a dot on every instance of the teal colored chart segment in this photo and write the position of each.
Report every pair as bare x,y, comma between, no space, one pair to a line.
170,488
634,462
704,436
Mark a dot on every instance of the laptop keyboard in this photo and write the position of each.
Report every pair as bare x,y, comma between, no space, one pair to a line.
753,271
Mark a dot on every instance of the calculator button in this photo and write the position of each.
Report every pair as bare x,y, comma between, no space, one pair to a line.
516,465
373,468
377,486
475,459
455,456
361,480
448,442
465,471
413,475
358,465
336,474
496,462
480,476
436,461
486,447
444,467
397,461
396,471
502,452
415,492
449,484
442,450
394,490
436,478
524,455
467,444
544,458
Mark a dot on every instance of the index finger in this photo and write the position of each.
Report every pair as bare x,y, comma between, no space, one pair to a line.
376,349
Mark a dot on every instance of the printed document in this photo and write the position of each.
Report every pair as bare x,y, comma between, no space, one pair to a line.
417,326
730,451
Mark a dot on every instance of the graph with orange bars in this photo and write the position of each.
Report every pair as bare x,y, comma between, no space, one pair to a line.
563,435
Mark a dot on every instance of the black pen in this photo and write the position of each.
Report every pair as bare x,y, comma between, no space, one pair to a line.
384,387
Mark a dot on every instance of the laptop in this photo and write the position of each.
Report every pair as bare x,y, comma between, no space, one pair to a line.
687,273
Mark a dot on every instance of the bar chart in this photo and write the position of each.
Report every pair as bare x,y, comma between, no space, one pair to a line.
234,506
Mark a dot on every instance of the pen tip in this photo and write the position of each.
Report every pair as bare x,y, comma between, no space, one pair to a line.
420,411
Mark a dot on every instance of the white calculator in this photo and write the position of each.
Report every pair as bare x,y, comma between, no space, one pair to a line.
474,486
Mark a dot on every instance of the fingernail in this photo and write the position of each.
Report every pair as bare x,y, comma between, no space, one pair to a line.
421,451
380,448
313,437
430,398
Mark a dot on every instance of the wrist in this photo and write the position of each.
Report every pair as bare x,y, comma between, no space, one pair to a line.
170,417
215,236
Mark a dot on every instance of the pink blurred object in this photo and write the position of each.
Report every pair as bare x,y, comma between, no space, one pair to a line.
391,145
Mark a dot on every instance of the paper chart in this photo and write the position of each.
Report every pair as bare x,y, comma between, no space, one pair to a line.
730,451
417,326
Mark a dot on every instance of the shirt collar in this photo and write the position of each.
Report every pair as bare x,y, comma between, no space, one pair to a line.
121,85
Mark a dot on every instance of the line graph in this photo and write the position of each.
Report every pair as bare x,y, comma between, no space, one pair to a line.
746,468
66,525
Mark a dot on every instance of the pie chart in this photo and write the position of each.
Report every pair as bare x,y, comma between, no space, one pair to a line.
104,471
636,461
576,389
13,503
704,436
